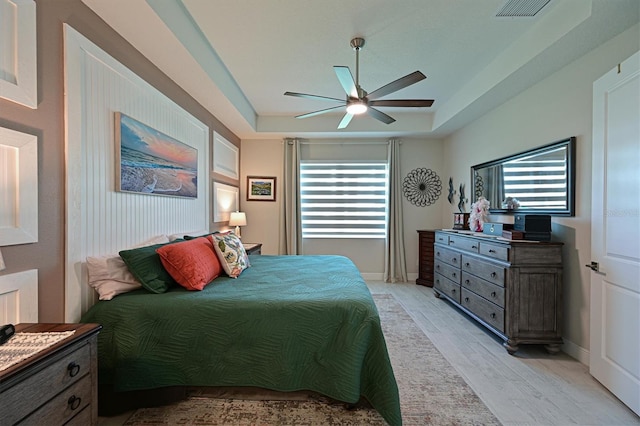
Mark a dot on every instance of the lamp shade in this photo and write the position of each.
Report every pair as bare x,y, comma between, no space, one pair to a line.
238,219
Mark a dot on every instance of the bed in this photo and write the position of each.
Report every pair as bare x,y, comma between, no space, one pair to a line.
287,323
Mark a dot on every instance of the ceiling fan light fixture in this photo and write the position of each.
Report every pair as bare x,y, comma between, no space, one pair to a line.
357,108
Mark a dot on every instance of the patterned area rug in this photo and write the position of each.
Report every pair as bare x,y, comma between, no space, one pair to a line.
431,392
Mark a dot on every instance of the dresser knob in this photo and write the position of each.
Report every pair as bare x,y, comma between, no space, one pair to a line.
466,299
453,291
493,315
73,369
455,259
466,281
74,402
493,294
453,274
493,275
467,264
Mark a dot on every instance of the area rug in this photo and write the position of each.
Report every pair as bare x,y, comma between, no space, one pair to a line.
431,392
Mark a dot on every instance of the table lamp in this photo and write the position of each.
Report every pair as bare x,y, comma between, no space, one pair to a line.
238,219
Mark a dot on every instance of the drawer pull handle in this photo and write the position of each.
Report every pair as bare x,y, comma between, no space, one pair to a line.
74,402
73,369
466,299
466,281
451,242
453,274
493,315
493,294
467,264
455,259
493,275
453,291
437,266
474,247
492,251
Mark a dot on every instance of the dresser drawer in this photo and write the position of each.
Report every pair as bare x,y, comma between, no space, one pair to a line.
37,389
462,243
448,271
448,256
446,286
488,312
495,251
64,406
489,271
489,291
442,238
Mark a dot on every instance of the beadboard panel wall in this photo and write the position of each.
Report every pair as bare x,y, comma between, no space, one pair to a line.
19,297
100,220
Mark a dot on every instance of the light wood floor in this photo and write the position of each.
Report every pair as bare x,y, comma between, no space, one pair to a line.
528,388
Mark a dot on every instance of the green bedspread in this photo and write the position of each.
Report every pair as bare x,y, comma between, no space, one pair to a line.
287,323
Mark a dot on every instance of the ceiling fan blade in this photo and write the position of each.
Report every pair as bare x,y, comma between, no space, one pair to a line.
402,103
322,111
345,121
394,86
305,95
346,80
380,116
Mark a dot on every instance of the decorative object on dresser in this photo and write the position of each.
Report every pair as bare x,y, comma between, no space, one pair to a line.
426,238
536,227
253,248
461,221
56,385
513,288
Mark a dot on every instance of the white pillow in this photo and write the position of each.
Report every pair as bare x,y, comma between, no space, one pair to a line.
109,275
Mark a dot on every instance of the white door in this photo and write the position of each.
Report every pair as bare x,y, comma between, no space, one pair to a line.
615,232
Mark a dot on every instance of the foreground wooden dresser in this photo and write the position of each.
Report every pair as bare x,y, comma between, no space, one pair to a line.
56,386
512,288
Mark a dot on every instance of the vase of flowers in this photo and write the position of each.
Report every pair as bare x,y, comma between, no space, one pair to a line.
479,214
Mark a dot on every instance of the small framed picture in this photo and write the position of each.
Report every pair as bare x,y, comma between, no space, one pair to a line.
260,188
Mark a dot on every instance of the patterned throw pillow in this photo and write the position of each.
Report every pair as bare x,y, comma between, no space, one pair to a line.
231,253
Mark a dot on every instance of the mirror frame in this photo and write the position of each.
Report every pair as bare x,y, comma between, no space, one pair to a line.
570,143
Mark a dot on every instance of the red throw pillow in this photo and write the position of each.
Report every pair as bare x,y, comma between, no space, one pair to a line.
193,263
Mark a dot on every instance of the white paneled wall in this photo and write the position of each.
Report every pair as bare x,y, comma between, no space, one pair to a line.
100,220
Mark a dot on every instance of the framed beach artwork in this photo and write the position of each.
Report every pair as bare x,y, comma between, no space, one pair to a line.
261,188
150,162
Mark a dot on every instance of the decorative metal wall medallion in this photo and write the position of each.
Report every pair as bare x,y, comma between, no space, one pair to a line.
422,187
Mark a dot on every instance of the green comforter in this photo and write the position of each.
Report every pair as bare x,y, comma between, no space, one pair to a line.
287,323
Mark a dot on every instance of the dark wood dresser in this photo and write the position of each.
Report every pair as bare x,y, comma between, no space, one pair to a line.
58,385
512,288
426,238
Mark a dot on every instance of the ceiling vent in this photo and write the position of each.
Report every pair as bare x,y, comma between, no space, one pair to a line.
521,8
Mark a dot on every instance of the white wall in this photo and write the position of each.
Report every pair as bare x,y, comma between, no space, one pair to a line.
264,158
558,107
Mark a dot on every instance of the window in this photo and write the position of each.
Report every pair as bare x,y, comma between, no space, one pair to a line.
343,200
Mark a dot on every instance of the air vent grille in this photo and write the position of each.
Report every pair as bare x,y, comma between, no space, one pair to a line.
521,8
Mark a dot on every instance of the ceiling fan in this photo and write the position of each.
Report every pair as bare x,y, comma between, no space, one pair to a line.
358,101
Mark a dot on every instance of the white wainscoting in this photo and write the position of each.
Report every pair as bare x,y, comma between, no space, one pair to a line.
19,297
100,220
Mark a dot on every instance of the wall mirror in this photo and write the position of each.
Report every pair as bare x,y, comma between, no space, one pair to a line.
541,180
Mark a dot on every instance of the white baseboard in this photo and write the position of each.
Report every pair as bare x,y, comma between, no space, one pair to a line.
575,351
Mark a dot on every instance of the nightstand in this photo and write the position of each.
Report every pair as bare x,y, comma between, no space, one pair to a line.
57,385
253,248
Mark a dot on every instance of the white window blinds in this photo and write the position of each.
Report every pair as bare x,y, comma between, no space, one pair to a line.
343,200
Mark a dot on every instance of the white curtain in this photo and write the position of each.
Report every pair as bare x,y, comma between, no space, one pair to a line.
291,235
395,264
